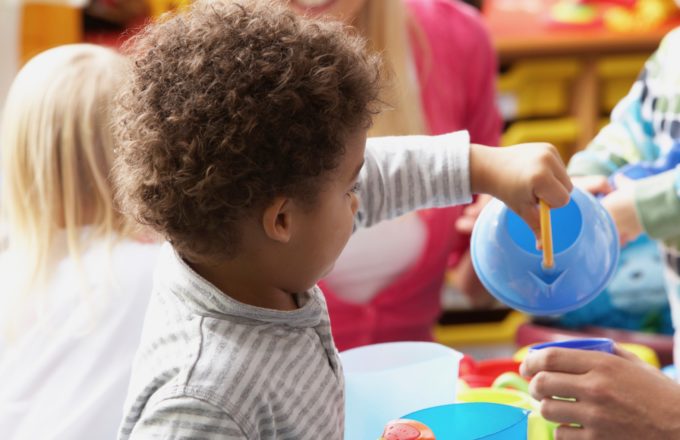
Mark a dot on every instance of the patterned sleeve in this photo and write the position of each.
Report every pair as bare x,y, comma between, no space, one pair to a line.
406,173
645,123
186,418
657,200
628,138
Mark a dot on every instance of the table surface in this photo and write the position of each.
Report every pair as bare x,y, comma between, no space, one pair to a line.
521,28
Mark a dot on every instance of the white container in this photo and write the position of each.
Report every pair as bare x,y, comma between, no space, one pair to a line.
386,381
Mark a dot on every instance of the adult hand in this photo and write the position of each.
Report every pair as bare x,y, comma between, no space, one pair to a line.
616,396
621,206
519,176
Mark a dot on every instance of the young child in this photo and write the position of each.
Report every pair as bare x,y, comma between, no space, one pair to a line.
620,396
243,141
645,127
75,283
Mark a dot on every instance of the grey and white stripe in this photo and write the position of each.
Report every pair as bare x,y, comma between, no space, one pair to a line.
211,367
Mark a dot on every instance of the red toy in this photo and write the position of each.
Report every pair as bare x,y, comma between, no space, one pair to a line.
403,429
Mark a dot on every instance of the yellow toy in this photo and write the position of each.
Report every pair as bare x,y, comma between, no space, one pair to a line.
645,15
616,15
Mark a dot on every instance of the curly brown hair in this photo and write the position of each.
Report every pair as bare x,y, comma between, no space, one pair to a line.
230,104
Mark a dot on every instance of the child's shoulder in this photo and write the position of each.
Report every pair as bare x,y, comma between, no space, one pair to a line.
670,47
672,38
663,68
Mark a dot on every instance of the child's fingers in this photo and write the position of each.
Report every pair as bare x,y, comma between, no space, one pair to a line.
465,224
560,173
593,184
623,181
554,192
530,215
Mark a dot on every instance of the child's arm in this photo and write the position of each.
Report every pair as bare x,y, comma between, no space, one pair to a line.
181,418
626,139
406,173
402,174
650,205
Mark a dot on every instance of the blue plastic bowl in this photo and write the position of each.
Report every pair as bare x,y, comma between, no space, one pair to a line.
586,251
593,344
471,421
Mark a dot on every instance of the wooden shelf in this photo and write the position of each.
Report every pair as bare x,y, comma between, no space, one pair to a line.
520,34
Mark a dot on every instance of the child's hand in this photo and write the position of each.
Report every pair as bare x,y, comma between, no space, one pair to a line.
593,184
519,176
466,221
621,206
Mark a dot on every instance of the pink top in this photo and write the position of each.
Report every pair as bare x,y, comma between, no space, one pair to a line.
456,74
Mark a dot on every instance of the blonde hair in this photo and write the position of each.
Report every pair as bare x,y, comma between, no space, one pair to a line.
386,24
56,151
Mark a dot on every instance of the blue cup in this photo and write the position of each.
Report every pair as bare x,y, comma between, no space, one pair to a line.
471,421
586,252
593,344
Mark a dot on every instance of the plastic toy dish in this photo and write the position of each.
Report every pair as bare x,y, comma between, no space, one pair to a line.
385,381
538,427
471,421
593,344
585,251
512,381
483,373
404,429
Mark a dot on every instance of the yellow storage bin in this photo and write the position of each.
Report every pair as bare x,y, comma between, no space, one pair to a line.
561,132
44,26
457,335
537,88
157,7
617,74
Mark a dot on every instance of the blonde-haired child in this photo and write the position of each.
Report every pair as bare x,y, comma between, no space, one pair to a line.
75,282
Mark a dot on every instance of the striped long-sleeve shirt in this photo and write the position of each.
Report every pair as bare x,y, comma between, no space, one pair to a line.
211,367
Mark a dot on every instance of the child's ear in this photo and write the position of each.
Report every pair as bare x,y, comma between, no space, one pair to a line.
277,219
